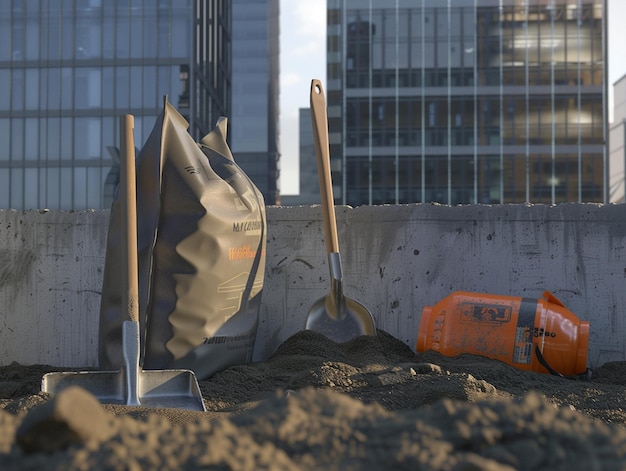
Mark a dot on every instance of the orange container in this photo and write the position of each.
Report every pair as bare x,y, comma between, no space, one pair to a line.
517,331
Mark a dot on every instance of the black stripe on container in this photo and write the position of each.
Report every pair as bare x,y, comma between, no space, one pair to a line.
527,312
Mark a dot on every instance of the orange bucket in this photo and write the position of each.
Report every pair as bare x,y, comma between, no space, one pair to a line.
531,334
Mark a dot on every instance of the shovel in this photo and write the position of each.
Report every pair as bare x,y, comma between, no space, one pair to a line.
131,385
336,316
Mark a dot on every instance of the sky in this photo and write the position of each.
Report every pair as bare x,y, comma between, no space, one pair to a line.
303,58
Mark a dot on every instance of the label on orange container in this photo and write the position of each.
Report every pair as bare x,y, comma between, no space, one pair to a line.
485,312
523,350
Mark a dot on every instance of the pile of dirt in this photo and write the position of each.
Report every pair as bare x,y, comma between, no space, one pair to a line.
371,403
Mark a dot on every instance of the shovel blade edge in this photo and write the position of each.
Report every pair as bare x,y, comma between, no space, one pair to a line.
169,389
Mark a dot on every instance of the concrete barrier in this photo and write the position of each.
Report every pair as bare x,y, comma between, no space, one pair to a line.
397,259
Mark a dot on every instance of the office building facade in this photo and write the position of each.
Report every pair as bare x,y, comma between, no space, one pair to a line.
468,101
254,121
73,67
617,147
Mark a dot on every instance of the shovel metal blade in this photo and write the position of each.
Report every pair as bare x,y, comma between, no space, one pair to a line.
355,320
169,389
337,316
132,385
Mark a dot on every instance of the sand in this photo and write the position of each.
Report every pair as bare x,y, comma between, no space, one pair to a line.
371,403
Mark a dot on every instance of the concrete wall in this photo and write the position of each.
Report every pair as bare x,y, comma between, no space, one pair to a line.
397,259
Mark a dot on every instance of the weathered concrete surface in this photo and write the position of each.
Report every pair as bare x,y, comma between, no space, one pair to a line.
51,266
397,259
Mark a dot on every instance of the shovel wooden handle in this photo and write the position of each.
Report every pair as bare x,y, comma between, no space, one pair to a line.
322,153
128,184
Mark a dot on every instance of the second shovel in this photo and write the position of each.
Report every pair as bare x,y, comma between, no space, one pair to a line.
335,315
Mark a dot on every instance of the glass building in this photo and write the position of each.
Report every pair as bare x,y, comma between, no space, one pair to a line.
468,101
70,68
254,121
617,144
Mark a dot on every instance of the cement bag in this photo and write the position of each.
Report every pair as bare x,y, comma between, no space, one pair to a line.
201,254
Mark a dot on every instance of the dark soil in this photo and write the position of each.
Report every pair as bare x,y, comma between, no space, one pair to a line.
371,403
